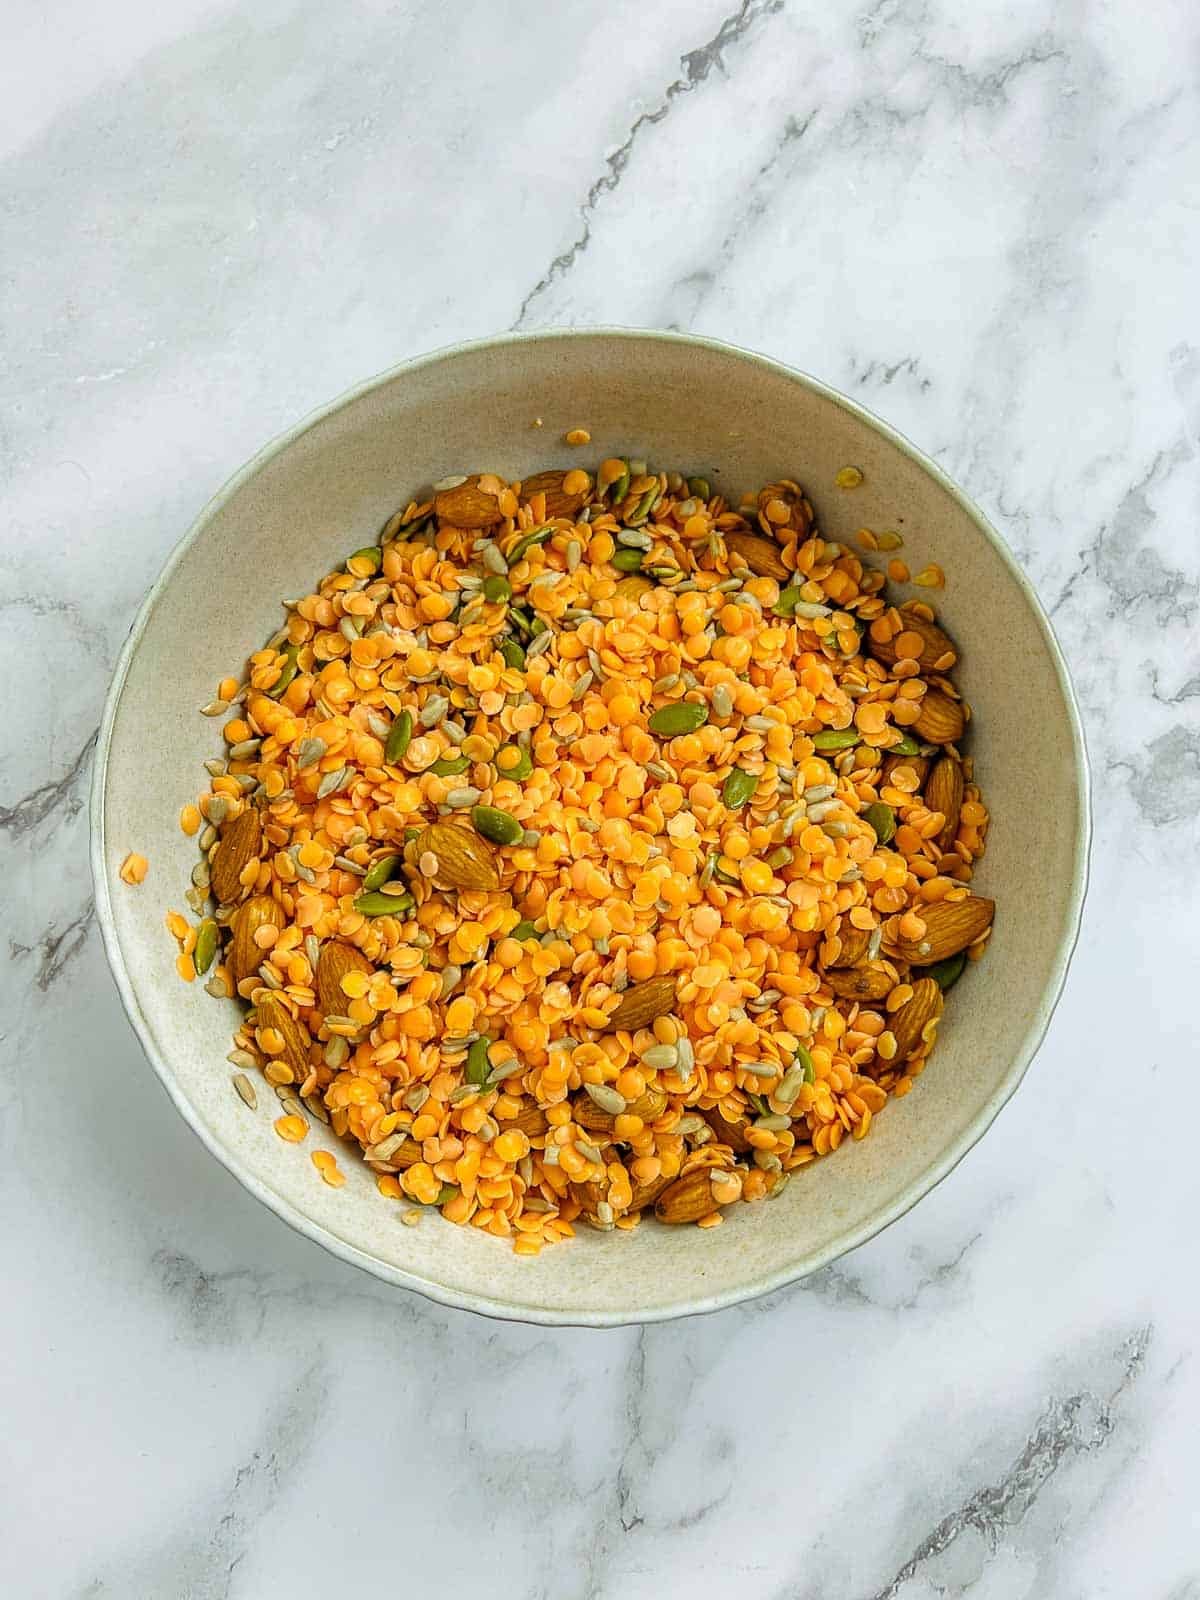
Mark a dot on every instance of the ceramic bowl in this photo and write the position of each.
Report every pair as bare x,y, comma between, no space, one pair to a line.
327,487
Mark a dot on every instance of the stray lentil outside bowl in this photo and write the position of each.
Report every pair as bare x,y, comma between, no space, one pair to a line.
588,846
600,840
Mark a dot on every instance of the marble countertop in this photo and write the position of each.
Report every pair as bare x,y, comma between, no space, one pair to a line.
981,222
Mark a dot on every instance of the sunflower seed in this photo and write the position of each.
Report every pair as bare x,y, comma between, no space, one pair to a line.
722,702
217,987
337,1051
215,769
606,1098
454,731
531,838
823,809
201,875
492,558
269,976
245,1090
689,1125
243,1059
451,977
244,749
820,791
416,1097
589,1152
432,712
661,1057
460,799
634,539
311,751
215,708
687,1058
540,644
454,481
582,684
759,1069
604,1214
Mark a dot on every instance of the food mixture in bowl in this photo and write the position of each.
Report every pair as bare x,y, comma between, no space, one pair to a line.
590,846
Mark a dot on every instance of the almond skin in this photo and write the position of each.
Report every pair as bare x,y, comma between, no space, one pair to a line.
241,841
936,644
919,764
859,983
272,1013
558,502
468,506
245,957
687,1199
941,720
649,1105
800,513
397,1150
759,554
337,959
731,1133
950,926
944,793
910,1022
465,860
642,1002
531,1121
854,942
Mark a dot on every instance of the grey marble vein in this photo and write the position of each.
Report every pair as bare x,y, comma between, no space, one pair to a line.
48,799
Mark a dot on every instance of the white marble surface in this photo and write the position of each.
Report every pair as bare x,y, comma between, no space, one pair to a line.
979,220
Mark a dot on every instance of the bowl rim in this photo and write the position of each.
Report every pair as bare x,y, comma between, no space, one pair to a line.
515,1309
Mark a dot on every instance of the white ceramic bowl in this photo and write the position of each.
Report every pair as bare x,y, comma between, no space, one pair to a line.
326,488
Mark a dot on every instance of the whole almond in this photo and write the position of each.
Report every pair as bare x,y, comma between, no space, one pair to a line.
273,1013
800,513
241,841
734,1134
468,506
530,1120
687,1199
260,911
337,959
465,860
397,1150
642,1002
649,1105
919,765
645,1194
941,720
935,644
558,502
759,554
854,942
950,926
944,793
910,1022
859,983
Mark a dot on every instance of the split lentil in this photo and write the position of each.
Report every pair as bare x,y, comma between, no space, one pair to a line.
594,850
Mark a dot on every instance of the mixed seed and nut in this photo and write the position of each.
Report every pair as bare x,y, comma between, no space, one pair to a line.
588,845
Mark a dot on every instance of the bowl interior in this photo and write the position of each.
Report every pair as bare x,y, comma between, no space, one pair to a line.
309,500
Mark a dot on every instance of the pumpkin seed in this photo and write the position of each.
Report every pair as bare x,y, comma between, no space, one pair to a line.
683,717
524,930
805,1062
619,488
523,768
738,787
538,536
291,666
907,746
700,488
450,766
496,589
377,904
478,1065
206,945
947,973
513,655
399,739
380,873
370,554
836,739
882,819
498,826
789,599
627,560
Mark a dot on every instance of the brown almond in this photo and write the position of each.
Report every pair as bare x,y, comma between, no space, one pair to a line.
241,841
649,1105
800,512
273,1013
759,554
859,983
468,506
734,1134
337,959
944,793
397,1150
919,765
935,644
465,860
645,1194
941,720
530,1120
558,502
854,942
687,1199
910,1025
260,911
950,926
642,1002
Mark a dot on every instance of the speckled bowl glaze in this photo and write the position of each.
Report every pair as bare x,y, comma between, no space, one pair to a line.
325,488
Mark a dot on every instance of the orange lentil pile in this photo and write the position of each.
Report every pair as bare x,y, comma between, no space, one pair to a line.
589,844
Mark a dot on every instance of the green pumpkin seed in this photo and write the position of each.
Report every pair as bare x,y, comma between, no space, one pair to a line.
399,738
368,553
738,787
788,600
498,826
513,655
944,973
908,746
759,1103
524,930
445,1194
803,1059
291,667
478,1064
619,489
683,717
523,768
450,766
496,589
521,619
538,536
383,871
384,905
206,945
699,488
883,820
644,507
627,560
836,739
